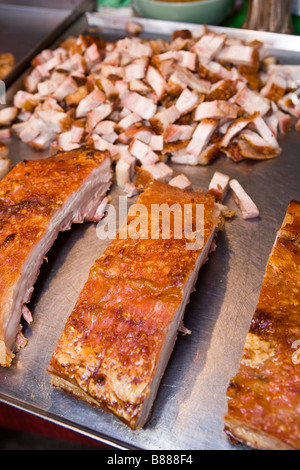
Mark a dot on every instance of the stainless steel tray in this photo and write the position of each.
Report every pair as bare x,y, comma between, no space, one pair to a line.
26,30
188,410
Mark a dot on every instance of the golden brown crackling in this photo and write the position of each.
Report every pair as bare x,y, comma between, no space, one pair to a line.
29,196
112,341
264,396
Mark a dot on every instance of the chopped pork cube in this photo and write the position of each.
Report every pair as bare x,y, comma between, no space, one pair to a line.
209,154
8,115
163,118
140,105
156,142
187,101
191,80
108,87
275,87
25,100
101,144
219,185
56,121
217,72
181,181
75,64
285,121
156,81
265,132
174,132
67,87
98,114
259,144
65,143
143,152
243,200
130,189
129,120
184,158
252,101
105,127
138,85
186,59
209,46
216,110
42,57
92,101
235,128
70,140
42,141
136,69
290,104
239,55
125,170
201,136
160,172
291,72
92,56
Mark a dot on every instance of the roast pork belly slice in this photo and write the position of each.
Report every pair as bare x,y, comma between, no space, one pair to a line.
132,307
263,396
38,199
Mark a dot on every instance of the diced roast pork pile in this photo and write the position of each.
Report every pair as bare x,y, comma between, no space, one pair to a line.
148,102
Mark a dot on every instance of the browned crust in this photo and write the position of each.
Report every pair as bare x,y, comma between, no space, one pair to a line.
110,348
264,396
29,196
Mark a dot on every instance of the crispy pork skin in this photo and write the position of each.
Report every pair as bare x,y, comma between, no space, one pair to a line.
38,199
120,335
264,396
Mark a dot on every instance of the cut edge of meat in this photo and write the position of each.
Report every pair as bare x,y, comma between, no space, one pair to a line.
75,211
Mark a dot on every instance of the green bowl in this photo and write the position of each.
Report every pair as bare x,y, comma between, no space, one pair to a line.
210,12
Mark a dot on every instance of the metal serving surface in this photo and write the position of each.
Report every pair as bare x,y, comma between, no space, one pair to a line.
26,30
187,412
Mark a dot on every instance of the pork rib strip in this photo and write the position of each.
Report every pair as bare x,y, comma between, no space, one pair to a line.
38,199
120,335
264,396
